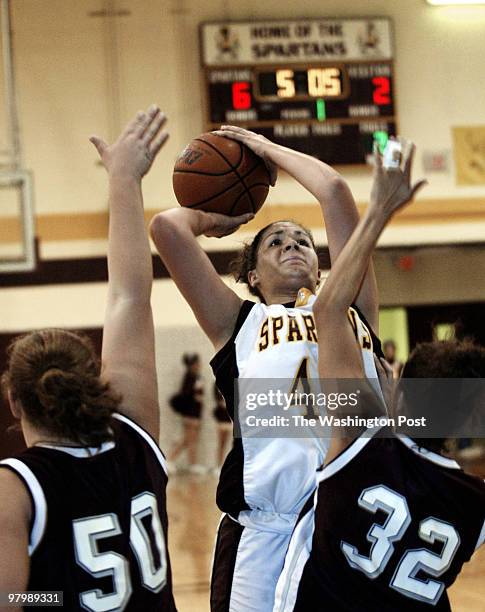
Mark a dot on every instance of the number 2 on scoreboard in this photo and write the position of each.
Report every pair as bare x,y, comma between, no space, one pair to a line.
381,94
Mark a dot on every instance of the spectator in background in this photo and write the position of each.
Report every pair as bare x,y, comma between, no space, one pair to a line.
224,426
188,403
389,348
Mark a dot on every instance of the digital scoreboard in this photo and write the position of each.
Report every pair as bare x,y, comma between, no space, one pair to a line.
322,86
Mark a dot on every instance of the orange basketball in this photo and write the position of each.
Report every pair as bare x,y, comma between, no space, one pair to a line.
216,174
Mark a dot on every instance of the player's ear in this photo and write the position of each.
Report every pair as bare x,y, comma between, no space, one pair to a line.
319,277
253,278
14,405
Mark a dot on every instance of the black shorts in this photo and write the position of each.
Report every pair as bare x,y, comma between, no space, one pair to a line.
186,406
191,409
228,537
221,415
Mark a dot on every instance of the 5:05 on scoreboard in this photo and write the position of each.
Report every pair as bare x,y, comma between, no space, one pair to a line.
324,87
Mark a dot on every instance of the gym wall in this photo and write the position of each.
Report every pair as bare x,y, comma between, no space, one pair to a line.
80,72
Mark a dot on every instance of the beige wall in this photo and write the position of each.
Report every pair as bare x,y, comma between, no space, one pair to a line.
72,82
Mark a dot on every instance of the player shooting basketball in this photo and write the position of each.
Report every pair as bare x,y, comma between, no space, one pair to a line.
264,481
392,521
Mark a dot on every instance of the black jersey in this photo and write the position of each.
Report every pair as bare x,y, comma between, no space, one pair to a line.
99,525
389,529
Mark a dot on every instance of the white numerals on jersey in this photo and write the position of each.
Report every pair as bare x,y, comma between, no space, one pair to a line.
88,531
404,579
141,506
382,537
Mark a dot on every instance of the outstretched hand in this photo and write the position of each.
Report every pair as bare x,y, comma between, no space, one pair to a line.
256,142
392,189
137,146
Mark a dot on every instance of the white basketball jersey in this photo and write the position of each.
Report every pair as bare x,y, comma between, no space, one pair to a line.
278,473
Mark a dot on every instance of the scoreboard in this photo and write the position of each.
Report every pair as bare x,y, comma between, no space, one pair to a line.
321,86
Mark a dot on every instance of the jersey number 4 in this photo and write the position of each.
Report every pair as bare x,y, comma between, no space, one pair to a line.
89,531
431,530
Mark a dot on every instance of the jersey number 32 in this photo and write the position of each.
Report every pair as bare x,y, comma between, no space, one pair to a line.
431,530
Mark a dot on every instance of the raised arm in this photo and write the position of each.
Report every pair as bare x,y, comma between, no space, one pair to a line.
339,354
128,336
332,192
175,233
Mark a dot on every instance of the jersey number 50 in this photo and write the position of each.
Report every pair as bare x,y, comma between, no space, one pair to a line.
431,530
89,531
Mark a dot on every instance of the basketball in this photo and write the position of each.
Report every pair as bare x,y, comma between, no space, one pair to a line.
216,174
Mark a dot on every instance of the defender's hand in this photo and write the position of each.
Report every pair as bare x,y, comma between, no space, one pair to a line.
392,189
138,145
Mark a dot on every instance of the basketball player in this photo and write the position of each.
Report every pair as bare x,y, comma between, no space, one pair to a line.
188,403
393,520
83,508
264,481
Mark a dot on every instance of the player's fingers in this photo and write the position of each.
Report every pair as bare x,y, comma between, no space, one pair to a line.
135,125
242,219
157,143
145,121
230,134
154,127
408,153
230,230
235,128
419,185
99,143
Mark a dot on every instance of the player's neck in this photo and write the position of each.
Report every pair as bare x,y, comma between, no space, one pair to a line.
34,436
283,296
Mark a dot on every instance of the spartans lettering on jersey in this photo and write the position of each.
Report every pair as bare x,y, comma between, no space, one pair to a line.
301,328
287,328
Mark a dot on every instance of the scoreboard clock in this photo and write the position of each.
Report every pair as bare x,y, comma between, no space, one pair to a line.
321,86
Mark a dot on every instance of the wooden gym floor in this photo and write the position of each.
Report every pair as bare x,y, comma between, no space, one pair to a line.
194,518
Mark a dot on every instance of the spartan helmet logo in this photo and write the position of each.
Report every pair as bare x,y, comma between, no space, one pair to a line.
369,39
227,43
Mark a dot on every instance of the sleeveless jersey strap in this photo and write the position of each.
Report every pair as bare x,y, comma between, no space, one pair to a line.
38,498
147,437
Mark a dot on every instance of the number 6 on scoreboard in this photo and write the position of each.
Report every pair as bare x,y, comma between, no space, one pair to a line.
241,95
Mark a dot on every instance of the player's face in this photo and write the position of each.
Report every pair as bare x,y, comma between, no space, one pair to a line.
286,260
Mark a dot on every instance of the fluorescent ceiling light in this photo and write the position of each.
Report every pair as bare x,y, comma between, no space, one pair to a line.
454,2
